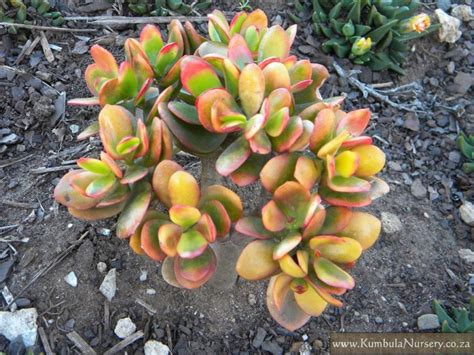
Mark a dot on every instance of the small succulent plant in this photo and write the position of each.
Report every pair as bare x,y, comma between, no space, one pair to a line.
370,32
462,320
166,7
242,100
466,145
24,11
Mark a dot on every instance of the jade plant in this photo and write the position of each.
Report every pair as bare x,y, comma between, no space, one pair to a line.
370,32
253,113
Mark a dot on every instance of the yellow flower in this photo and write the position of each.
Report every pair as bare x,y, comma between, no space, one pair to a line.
361,46
418,23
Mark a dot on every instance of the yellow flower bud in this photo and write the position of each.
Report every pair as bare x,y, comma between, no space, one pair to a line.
361,46
418,23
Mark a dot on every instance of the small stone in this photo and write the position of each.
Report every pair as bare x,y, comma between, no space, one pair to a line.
434,82
449,31
5,269
467,255
80,47
150,291
418,190
467,213
143,275
404,324
391,224
318,344
395,166
124,328
463,82
101,267
272,347
259,338
252,299
71,279
442,121
74,128
378,320
305,349
12,138
21,324
154,347
109,286
451,67
462,12
454,156
104,231
23,302
443,4
428,322
412,123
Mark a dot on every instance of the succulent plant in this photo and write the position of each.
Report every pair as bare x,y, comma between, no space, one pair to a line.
251,112
23,11
466,145
462,322
166,7
370,32
306,249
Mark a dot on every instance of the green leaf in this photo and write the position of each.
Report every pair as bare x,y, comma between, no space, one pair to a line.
379,33
443,315
354,13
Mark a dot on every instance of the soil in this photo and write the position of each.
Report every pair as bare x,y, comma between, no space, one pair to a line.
396,280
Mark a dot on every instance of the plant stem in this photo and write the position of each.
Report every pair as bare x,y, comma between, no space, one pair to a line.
209,174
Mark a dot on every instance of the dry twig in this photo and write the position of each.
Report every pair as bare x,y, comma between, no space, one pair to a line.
124,343
44,340
80,343
53,169
46,28
125,20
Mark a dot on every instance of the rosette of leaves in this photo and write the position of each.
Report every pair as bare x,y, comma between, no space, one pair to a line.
167,7
461,320
27,12
116,183
257,105
370,32
150,64
466,145
306,249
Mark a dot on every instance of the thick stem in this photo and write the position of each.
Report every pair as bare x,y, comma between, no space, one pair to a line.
209,174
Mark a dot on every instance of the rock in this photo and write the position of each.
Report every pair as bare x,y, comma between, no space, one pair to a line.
467,255
378,320
80,47
108,287
71,279
463,82
12,138
272,347
153,347
454,156
449,31
412,123
259,338
418,190
462,12
74,128
143,275
391,224
21,323
124,328
428,322
5,269
305,349
150,291
451,67
467,213
101,267
443,4
252,299
395,166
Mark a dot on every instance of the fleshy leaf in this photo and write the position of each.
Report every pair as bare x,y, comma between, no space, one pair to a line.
207,228
283,308
289,266
100,186
184,216
149,239
206,101
339,250
362,227
183,189
286,245
191,244
219,216
276,77
256,260
115,124
331,274
292,198
134,211
372,160
252,227
306,172
97,213
233,156
337,218
68,196
278,170
161,178
198,76
229,199
249,172
275,43
273,218
187,270
133,174
239,52
168,237
95,166
311,302
354,122
251,89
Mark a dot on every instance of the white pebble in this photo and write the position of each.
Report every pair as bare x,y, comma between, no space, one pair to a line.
71,279
124,328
